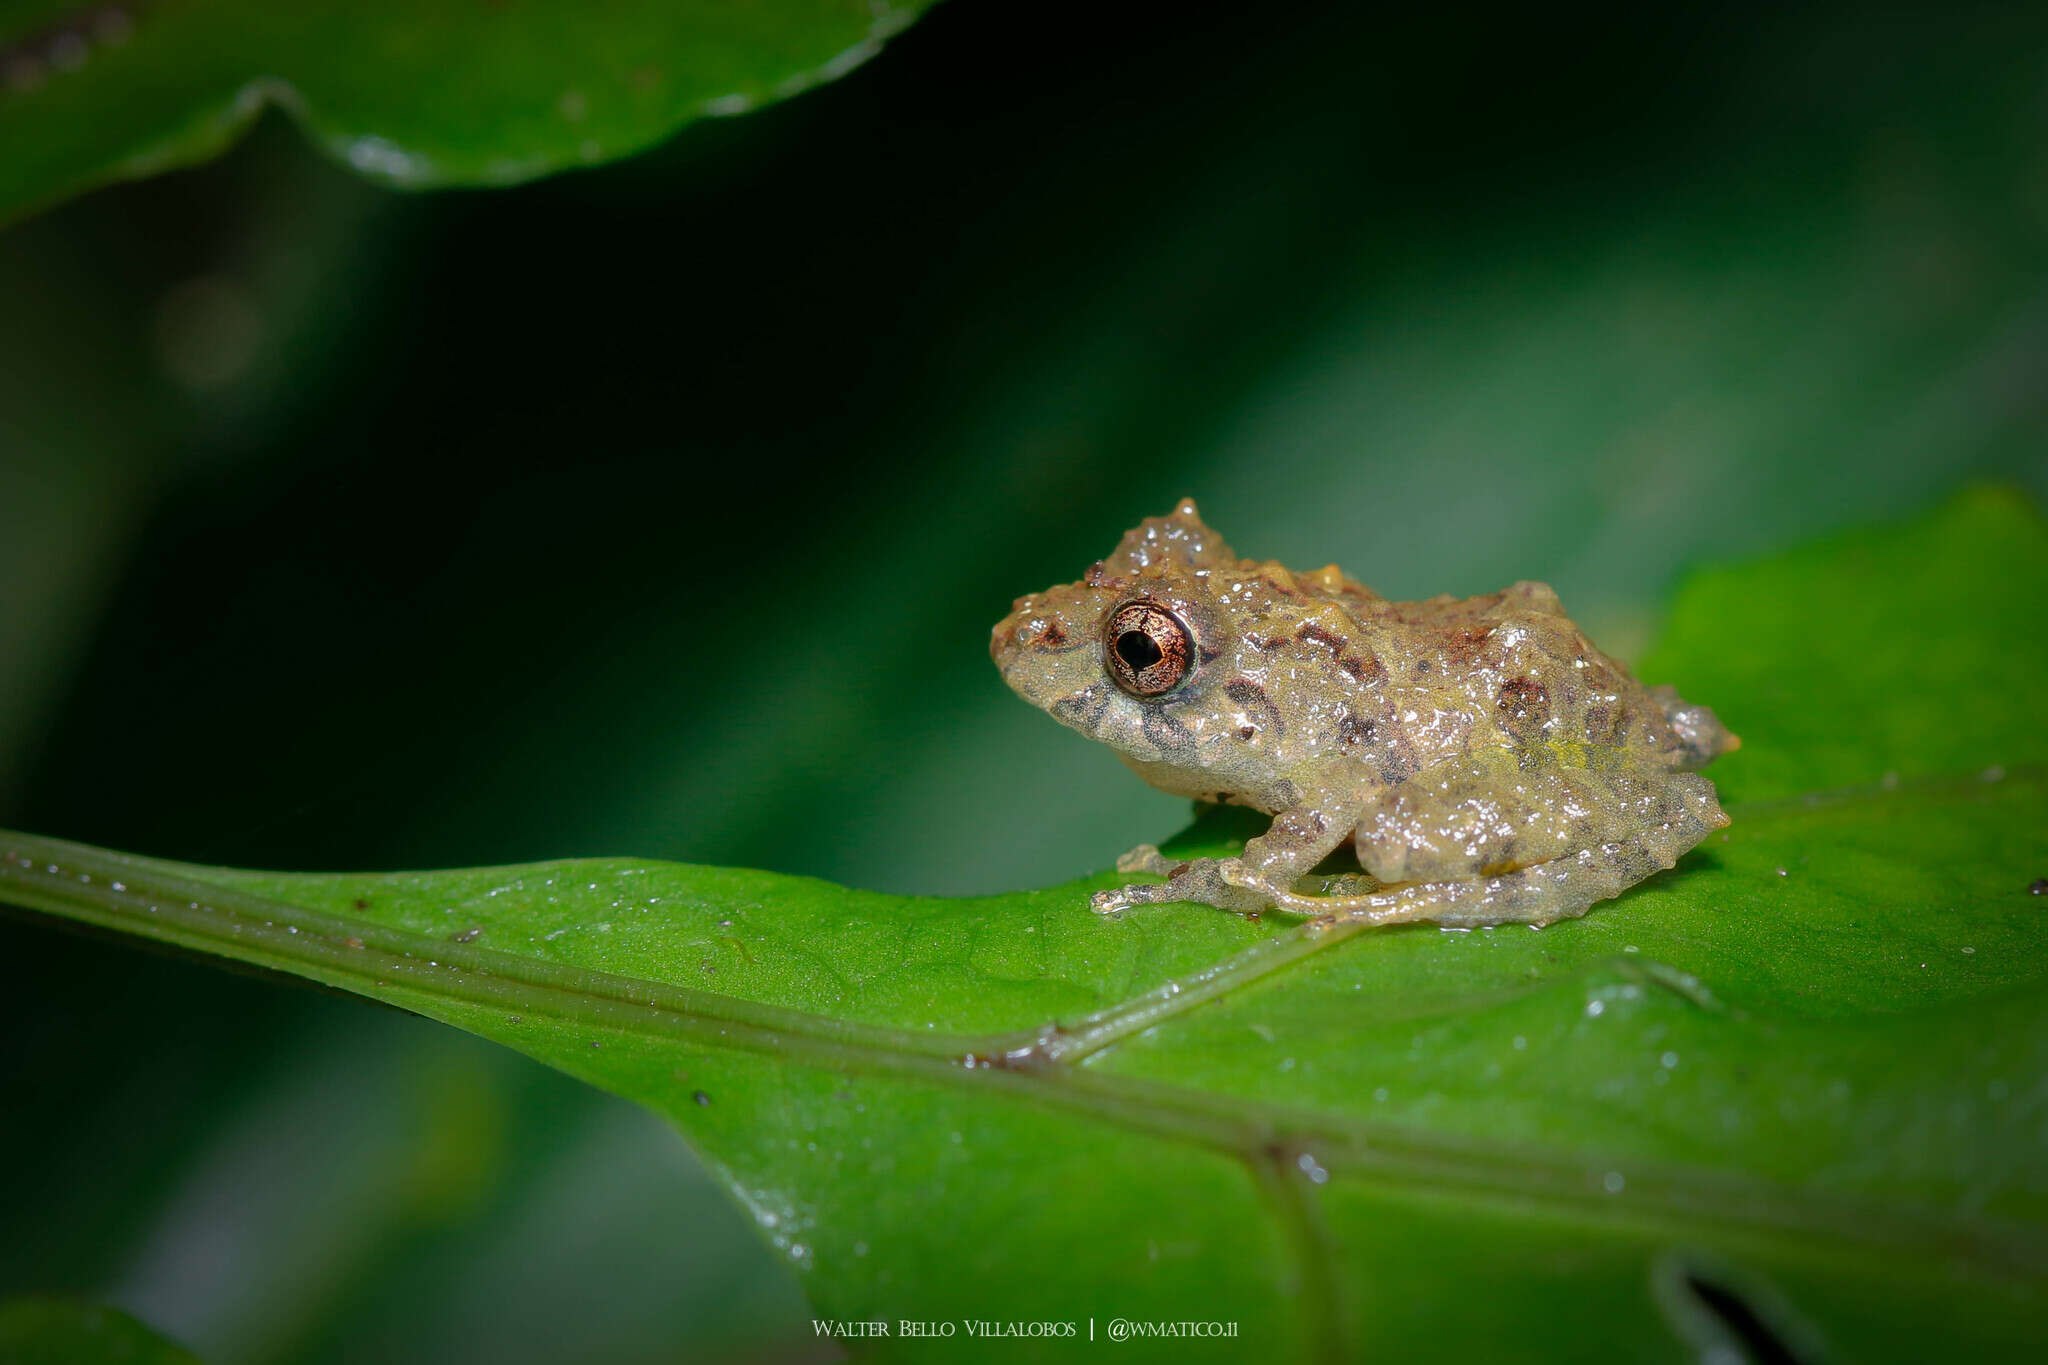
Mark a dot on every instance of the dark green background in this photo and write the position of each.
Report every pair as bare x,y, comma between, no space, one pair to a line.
663,510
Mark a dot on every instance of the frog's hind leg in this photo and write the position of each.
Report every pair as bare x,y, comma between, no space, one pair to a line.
1539,893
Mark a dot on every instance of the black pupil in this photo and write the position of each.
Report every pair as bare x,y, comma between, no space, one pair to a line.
1136,649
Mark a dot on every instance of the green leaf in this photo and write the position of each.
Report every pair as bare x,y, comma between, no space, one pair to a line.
1788,1097
43,1331
437,92
1912,650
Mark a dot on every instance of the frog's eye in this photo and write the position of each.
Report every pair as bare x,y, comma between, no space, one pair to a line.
1149,648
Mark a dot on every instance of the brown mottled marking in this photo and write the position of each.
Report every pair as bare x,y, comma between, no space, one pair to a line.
1245,692
1461,647
1523,699
1166,733
1084,711
1252,697
1340,648
1601,724
1311,631
1351,730
1399,766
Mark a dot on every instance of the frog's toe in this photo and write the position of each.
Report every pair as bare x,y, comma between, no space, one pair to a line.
1236,872
1109,904
1144,858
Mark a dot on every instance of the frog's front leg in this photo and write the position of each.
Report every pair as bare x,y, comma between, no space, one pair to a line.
1299,838
1197,881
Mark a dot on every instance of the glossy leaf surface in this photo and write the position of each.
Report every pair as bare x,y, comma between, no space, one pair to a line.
1788,1097
444,92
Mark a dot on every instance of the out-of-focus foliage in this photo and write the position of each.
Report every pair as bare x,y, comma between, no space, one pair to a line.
427,92
478,503
37,1331
1786,1092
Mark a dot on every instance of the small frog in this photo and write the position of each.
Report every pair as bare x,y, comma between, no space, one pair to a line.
1487,764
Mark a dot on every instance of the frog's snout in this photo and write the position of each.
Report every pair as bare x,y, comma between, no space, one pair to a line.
1010,638
1020,632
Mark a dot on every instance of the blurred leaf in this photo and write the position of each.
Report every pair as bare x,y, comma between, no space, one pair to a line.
39,1331
446,92
1785,1099
1911,650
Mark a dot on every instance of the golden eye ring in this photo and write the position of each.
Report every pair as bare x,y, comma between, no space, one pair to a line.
1148,647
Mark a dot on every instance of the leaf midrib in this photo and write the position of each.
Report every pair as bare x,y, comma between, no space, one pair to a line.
1047,1065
